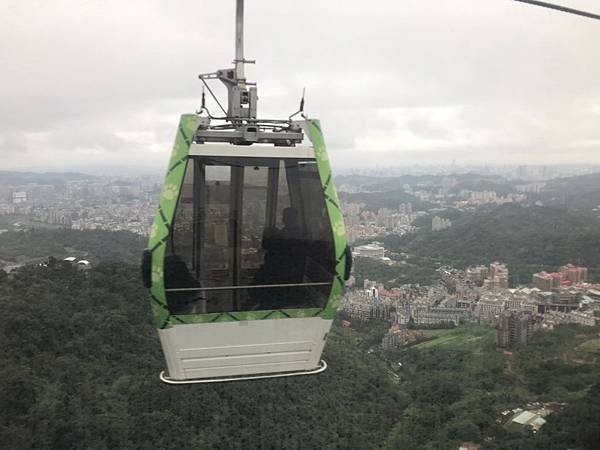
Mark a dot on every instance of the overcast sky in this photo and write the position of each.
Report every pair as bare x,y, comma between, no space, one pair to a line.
98,86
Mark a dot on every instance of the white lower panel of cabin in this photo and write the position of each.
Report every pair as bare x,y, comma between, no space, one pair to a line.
212,350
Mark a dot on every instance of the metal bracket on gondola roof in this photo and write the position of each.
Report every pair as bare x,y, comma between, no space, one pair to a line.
240,124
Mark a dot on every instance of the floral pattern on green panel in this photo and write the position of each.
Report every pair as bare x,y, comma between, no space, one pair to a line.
166,211
164,219
335,216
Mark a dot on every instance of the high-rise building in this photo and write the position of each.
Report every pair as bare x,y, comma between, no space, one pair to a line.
574,274
542,281
566,275
477,274
19,197
498,270
514,328
405,208
497,277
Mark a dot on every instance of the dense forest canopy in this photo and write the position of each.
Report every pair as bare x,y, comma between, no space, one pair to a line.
94,245
79,359
80,364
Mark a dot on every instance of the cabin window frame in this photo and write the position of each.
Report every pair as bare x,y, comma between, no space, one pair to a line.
293,181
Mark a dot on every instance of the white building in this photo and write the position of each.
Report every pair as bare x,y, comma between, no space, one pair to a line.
372,250
439,224
19,197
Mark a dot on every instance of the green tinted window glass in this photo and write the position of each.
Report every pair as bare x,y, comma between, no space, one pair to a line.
249,234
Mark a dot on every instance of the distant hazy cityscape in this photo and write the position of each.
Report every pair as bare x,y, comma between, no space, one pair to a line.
523,172
81,202
441,193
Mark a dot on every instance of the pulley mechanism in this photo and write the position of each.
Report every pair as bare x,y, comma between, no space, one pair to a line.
240,124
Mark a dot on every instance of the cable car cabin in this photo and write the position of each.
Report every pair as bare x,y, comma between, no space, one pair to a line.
247,255
247,258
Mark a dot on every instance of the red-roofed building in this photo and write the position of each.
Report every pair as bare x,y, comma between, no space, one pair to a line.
543,281
574,274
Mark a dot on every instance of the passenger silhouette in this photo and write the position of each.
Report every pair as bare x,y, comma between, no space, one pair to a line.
291,224
284,262
284,259
177,275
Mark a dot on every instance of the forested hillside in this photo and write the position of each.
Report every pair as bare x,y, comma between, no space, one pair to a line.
94,245
528,239
79,364
575,193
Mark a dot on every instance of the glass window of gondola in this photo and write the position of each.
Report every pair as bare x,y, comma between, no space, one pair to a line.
249,234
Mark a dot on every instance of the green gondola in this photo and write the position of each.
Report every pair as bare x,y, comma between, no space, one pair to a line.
247,256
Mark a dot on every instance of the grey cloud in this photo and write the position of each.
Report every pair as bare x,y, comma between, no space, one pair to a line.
523,81
425,127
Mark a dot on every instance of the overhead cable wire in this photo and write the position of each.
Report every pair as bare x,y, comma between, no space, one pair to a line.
561,8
